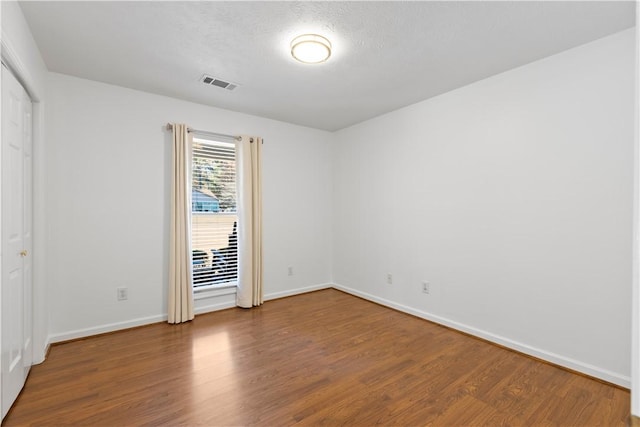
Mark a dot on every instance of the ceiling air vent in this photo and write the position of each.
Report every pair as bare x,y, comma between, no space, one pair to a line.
213,81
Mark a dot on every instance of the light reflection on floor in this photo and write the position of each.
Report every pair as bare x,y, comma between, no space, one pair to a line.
212,359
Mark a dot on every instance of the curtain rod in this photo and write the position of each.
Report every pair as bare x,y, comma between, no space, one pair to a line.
206,133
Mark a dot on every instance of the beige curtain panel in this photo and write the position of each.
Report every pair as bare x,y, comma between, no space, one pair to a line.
180,304
249,179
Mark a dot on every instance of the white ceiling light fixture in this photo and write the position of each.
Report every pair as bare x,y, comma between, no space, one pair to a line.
311,48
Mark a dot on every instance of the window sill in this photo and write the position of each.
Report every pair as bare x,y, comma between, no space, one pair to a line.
210,291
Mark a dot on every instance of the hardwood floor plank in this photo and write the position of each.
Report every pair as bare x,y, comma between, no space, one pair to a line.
323,358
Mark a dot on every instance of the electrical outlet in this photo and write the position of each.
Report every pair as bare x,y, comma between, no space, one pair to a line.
389,279
290,271
426,287
123,294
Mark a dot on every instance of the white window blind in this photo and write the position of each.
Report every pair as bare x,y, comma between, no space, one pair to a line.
214,238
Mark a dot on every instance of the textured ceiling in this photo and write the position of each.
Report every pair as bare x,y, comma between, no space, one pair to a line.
386,54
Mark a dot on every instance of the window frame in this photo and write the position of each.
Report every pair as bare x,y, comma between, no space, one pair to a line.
214,289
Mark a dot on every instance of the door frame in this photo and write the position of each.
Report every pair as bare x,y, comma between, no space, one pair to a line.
40,333
17,239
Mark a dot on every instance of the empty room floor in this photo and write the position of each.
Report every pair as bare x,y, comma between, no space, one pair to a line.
324,357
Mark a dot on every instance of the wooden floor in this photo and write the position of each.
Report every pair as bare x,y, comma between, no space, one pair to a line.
323,358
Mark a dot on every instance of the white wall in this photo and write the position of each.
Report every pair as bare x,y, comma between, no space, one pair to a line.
108,194
513,197
22,55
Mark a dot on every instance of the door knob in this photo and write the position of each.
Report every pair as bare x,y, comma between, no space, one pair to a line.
23,253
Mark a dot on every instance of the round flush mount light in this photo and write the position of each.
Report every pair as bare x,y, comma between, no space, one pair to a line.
311,48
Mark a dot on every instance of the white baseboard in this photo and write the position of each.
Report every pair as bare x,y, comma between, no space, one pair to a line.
110,327
594,371
267,297
40,357
576,365
291,292
214,307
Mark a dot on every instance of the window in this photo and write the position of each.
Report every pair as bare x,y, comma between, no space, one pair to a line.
214,219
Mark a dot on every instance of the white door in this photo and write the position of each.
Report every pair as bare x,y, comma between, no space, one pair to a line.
16,237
